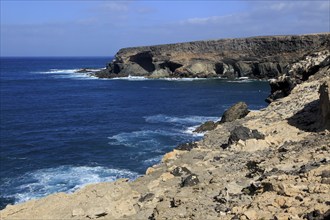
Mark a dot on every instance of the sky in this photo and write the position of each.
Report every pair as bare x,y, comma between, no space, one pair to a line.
102,27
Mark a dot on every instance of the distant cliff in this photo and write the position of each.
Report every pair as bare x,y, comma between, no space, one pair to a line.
255,57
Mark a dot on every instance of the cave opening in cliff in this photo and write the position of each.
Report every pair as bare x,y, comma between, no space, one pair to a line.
144,59
172,66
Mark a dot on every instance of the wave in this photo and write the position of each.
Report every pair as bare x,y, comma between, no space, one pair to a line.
184,120
146,138
131,78
70,73
153,160
67,179
143,78
190,131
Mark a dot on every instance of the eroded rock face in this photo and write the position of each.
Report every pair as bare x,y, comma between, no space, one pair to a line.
255,57
298,72
325,105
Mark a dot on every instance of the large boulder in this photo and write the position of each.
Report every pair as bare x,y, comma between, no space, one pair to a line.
207,126
237,111
244,133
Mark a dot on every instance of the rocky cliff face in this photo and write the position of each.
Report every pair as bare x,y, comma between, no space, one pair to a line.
256,57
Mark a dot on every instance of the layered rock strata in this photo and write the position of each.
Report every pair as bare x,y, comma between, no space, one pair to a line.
271,164
255,57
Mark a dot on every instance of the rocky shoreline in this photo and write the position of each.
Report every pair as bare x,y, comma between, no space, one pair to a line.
267,164
283,58
254,57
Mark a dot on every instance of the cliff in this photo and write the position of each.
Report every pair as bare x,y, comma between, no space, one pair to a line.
270,164
255,57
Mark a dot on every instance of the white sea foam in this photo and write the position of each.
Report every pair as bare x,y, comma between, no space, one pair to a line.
190,131
63,179
152,161
184,79
132,78
138,138
70,73
183,120
61,71
143,78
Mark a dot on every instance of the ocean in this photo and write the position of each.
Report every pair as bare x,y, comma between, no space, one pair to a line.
61,130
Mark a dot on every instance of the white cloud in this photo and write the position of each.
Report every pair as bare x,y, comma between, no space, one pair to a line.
116,6
278,17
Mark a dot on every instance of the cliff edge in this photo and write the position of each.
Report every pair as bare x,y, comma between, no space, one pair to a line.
254,57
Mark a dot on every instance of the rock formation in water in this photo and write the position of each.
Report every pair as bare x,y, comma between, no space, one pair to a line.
255,57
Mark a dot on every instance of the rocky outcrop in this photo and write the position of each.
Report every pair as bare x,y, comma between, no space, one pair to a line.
237,111
299,72
255,57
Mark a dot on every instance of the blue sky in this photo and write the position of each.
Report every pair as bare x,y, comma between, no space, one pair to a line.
101,28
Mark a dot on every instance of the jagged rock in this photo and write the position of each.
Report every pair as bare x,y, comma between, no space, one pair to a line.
243,133
280,88
190,180
297,73
180,171
187,146
147,197
237,111
314,215
207,126
254,169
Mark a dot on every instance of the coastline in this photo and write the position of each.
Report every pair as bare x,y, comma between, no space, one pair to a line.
250,179
271,164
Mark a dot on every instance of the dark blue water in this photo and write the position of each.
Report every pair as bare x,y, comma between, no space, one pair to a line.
61,130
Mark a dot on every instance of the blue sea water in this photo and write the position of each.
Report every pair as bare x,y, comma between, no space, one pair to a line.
61,130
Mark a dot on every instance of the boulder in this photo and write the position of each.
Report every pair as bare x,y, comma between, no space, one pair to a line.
207,126
280,88
187,146
244,133
180,171
237,111
190,180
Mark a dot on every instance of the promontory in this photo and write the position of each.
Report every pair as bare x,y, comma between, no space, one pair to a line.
254,57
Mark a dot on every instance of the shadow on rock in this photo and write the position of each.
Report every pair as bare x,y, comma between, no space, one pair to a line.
307,119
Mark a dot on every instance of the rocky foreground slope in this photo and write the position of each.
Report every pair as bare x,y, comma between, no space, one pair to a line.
254,57
271,164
